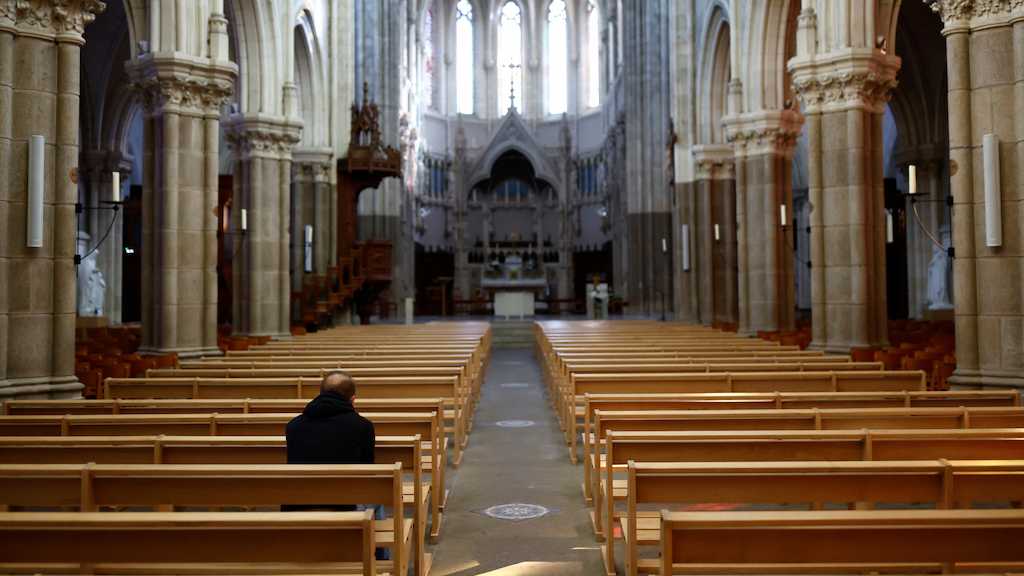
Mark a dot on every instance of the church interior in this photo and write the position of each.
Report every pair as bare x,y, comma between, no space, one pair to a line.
625,286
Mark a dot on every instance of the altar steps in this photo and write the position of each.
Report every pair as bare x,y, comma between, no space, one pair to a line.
512,334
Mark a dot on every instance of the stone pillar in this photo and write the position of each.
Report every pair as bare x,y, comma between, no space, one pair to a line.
845,96
985,63
262,303
764,144
708,289
40,54
182,97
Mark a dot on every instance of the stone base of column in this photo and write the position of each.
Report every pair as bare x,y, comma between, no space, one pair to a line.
183,352
976,379
64,388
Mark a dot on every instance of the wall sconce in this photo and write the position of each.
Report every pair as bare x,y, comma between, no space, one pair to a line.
993,192
686,247
36,189
308,249
664,245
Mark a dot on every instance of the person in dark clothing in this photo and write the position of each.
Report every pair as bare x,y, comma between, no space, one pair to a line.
330,431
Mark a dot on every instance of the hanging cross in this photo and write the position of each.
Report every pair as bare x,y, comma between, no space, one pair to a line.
512,85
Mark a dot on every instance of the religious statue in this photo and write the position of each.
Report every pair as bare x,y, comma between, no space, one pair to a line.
938,276
91,285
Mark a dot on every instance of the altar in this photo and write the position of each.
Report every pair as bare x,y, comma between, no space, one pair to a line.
514,290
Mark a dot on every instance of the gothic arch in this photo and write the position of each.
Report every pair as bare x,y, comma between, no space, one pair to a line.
760,63
713,76
309,77
253,45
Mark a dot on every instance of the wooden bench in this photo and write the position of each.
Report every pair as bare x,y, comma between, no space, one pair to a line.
790,446
425,424
729,382
831,542
787,419
187,543
192,450
93,487
302,388
789,400
945,484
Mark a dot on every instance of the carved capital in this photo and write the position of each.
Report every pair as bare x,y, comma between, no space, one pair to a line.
842,89
183,86
960,13
64,19
262,137
764,132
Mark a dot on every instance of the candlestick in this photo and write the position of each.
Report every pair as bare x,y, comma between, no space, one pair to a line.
245,220
912,179
782,214
115,187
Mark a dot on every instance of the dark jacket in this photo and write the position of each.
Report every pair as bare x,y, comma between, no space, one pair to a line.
330,431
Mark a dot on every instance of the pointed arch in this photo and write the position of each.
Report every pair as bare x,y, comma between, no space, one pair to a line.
310,81
713,75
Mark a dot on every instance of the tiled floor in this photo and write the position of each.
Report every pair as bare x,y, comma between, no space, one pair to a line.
516,465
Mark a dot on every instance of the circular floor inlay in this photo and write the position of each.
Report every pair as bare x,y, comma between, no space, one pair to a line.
515,423
515,385
516,511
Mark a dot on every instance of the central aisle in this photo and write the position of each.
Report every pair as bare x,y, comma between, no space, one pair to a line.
528,465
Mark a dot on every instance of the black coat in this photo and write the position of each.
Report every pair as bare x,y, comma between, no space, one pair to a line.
330,431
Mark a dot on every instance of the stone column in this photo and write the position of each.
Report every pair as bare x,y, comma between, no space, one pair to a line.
262,303
40,54
763,144
985,63
182,97
846,97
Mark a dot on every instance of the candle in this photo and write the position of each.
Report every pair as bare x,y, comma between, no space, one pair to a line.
782,214
664,245
115,187
718,235
888,227
245,220
309,233
912,178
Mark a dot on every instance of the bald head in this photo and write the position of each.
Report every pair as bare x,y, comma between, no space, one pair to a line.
340,383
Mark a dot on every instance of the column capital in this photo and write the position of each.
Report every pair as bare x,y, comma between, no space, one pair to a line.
963,15
713,161
62,20
257,135
765,132
182,84
855,78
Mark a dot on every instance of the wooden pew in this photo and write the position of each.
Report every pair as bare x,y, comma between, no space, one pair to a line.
943,483
788,419
425,424
445,387
831,542
189,543
790,400
92,487
790,446
729,382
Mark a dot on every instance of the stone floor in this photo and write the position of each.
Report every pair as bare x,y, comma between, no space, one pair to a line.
505,465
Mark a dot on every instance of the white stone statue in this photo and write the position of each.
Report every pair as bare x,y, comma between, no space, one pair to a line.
91,285
938,276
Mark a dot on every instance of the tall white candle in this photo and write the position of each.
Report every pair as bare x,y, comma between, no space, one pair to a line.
912,178
718,235
245,220
888,227
782,215
664,245
115,186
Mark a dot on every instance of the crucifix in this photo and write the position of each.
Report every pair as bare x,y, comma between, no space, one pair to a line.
512,69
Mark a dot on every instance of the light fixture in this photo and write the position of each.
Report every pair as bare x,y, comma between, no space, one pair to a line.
888,227
912,179
718,233
664,245
993,192
36,184
782,215
115,186
686,247
245,220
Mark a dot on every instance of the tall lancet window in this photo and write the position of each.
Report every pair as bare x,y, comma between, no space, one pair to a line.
593,54
428,57
464,56
558,44
510,57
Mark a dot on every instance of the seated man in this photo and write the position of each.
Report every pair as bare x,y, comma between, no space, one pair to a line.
330,431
